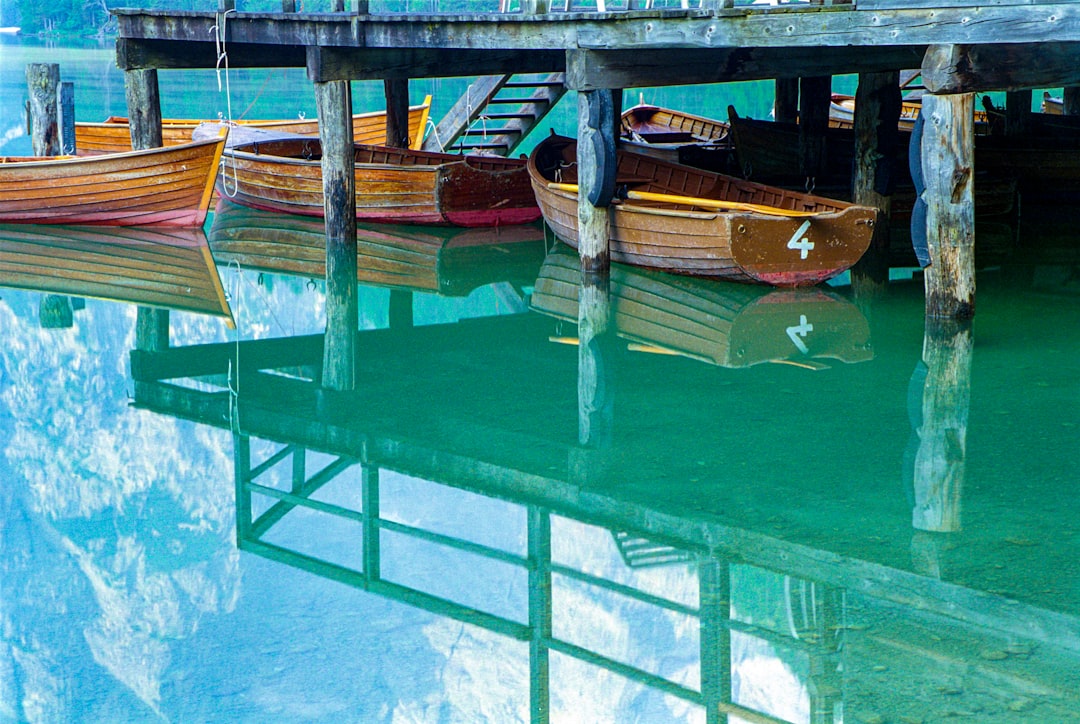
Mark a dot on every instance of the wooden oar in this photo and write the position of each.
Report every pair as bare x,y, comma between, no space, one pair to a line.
696,201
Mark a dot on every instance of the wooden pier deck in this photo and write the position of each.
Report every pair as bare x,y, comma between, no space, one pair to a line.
960,46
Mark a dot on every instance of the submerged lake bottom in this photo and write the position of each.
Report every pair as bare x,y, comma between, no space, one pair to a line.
739,504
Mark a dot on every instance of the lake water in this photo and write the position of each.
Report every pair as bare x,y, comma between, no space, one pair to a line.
777,507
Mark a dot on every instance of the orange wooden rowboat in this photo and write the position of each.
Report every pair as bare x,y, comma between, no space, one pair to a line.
113,135
689,221
163,186
392,184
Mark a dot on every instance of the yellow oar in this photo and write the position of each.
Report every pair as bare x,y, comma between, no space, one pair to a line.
695,201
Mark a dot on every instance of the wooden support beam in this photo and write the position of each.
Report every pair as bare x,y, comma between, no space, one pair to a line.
786,100
156,53
65,117
596,177
42,81
336,63
877,141
152,329
397,112
1017,112
334,104
595,393
591,69
815,95
948,151
1004,67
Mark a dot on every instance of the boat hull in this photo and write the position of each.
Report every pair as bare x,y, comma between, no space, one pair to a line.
392,185
114,135
161,186
734,245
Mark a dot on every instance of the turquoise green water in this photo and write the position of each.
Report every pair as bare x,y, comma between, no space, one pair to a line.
777,506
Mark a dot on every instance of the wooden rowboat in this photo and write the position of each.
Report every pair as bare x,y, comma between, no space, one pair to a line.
149,266
392,184
689,221
114,136
720,323
673,135
842,113
446,261
160,186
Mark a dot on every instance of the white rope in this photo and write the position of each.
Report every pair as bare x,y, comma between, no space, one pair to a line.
222,57
234,372
435,132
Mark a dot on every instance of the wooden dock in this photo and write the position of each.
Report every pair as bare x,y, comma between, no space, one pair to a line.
961,47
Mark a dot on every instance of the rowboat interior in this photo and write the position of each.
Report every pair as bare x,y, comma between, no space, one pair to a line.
311,150
556,161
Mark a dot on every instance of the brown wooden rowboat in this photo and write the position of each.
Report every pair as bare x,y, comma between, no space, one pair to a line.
392,185
161,186
720,323
446,261
676,136
114,136
687,234
148,266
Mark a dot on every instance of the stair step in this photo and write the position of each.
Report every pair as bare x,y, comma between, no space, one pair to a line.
533,84
481,146
508,116
531,99
474,131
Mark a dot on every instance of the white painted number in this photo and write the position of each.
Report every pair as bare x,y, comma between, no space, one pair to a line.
800,330
803,244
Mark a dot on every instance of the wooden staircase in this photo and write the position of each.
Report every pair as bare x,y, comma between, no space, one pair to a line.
640,552
496,113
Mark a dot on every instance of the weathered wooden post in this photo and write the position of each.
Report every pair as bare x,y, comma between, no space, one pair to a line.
65,117
288,6
1070,100
815,96
786,100
144,128
42,80
1017,112
396,91
596,188
877,142
948,150
333,100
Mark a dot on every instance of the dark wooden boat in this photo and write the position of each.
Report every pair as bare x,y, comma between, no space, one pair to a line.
720,323
392,185
447,261
767,151
676,136
162,186
842,113
113,135
169,268
690,221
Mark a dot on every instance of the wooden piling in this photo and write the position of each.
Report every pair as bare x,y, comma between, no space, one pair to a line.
815,96
595,408
144,128
877,140
786,100
596,177
397,112
333,100
1017,112
1071,101
948,169
42,81
65,117
144,108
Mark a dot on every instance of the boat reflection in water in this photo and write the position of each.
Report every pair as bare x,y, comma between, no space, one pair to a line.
445,260
722,323
648,577
153,267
